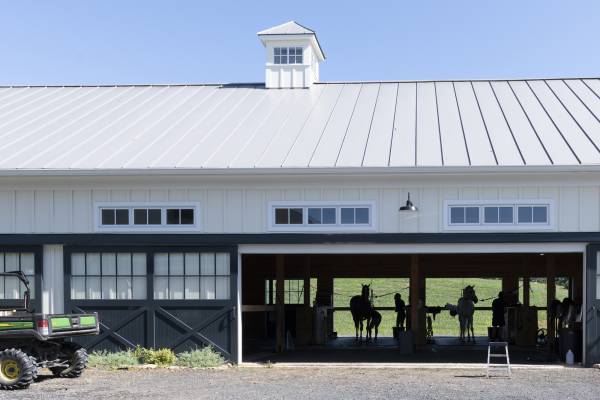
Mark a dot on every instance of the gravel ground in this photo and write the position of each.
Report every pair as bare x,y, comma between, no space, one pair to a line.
318,383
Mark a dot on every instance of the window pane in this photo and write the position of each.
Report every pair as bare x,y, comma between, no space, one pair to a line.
92,263
207,287
207,264
525,215
283,59
11,288
222,264
292,51
140,216
77,264
192,287
27,263
362,215
328,216
347,215
109,265
540,214
122,217
187,216
457,215
161,264
176,263
124,291
277,51
78,288
295,216
161,288
124,263
192,264
2,262
281,216
472,215
108,217
173,216
176,288
277,60
314,215
284,51
139,288
490,215
154,217
93,291
222,289
109,288
298,59
11,261
139,264
506,215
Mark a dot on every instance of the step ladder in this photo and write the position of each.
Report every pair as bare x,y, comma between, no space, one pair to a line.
491,355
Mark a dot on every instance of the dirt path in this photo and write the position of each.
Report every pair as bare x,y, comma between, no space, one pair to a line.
318,383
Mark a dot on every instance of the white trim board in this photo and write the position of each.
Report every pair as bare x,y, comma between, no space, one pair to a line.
413,248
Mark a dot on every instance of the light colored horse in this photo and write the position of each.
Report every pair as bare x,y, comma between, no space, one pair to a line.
465,310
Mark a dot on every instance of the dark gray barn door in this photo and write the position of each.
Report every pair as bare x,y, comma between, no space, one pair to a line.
179,298
592,312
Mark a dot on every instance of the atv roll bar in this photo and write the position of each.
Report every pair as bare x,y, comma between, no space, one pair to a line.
27,295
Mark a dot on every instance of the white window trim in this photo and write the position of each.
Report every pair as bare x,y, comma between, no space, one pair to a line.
305,227
163,206
515,226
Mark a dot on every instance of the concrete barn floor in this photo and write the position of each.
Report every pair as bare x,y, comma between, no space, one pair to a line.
318,383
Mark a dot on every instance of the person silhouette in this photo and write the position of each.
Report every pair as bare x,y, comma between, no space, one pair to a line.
400,308
498,321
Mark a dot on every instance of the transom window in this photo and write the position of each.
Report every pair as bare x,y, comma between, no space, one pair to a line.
147,217
287,55
191,276
10,287
288,216
487,214
108,276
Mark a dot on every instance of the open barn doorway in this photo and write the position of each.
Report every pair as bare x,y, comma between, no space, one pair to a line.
296,307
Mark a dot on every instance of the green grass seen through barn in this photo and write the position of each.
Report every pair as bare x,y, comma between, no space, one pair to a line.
439,292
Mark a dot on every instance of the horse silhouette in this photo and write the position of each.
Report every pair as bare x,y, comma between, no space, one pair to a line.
360,307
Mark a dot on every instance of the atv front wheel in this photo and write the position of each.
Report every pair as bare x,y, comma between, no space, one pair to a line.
16,370
75,357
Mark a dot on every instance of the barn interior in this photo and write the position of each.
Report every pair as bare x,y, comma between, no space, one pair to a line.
294,308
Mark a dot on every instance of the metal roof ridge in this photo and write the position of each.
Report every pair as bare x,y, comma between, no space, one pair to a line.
456,80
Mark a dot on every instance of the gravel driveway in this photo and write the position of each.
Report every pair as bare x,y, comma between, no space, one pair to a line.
317,383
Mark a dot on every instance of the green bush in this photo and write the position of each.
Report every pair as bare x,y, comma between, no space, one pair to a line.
162,357
206,357
105,359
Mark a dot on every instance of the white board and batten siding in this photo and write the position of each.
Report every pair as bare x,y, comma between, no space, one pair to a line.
243,208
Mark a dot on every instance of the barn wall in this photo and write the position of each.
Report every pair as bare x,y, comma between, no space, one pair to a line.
239,205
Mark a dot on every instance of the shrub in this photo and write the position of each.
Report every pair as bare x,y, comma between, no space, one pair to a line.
110,360
160,357
205,357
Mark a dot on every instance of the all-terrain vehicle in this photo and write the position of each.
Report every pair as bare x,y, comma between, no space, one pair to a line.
29,341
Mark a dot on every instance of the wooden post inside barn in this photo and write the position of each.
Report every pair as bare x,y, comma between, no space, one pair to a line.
280,302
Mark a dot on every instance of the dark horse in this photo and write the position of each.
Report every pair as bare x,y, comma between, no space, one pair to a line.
360,307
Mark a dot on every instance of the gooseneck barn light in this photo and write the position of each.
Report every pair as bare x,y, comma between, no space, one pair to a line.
409,205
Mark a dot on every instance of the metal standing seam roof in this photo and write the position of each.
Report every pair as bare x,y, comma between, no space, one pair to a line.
331,125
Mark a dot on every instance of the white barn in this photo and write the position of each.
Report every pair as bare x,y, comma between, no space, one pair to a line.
166,207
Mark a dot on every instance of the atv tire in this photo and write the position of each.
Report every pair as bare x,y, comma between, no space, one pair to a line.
16,370
77,360
35,369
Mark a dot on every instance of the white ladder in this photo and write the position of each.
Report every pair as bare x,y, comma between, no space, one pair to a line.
491,355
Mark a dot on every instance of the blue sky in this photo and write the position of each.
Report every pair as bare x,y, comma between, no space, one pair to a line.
116,42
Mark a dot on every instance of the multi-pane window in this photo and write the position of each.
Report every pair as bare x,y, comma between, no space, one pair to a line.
499,215
10,287
321,216
293,291
147,217
533,214
191,276
108,276
287,55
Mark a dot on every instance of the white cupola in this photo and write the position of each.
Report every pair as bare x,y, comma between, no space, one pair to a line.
293,56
